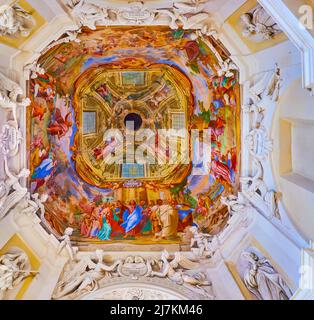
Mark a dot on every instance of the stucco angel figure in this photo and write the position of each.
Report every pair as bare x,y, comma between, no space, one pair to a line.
66,243
258,25
257,112
84,277
233,203
168,269
262,280
11,95
13,270
171,271
89,14
11,191
35,203
202,241
15,21
189,16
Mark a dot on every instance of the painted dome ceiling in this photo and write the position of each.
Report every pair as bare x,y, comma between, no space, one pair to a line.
159,79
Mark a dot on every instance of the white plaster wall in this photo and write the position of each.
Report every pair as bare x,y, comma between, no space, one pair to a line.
296,103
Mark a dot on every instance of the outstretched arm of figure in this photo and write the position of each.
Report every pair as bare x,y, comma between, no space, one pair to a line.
161,274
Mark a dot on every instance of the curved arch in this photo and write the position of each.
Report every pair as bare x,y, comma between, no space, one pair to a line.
143,289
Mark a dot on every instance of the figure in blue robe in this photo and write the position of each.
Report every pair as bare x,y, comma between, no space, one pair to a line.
132,220
105,231
44,169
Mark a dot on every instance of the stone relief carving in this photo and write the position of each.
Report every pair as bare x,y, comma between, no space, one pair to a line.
90,274
258,25
188,15
14,268
15,21
262,280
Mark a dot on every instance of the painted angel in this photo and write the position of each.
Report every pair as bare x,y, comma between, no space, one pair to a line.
61,125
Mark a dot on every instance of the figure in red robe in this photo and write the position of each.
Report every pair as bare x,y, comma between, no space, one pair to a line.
60,126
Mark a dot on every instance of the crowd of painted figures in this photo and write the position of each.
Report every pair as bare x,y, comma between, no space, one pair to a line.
162,219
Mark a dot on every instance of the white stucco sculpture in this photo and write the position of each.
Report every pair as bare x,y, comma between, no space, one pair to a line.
173,270
14,268
11,190
89,14
262,280
233,203
269,84
258,26
35,202
15,21
10,139
84,277
11,95
273,87
200,242
185,14
65,243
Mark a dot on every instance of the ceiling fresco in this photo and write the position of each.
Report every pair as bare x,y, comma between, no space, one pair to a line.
159,79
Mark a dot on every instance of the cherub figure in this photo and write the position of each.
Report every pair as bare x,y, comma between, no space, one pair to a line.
66,243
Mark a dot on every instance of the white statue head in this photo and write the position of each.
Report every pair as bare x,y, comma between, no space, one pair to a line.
68,231
99,254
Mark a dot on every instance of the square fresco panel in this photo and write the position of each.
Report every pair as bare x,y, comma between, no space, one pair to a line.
158,78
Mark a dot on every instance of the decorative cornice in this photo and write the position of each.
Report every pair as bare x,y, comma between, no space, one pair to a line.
184,14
